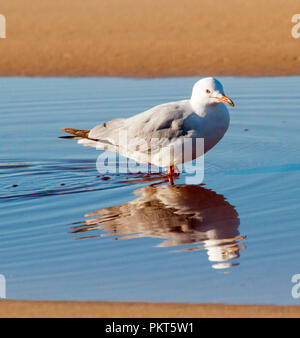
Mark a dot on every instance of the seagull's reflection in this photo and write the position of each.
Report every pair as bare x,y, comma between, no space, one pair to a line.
180,214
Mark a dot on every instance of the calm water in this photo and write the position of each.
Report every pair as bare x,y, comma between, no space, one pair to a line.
67,232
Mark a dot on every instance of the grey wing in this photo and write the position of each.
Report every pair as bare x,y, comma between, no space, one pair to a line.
163,125
156,127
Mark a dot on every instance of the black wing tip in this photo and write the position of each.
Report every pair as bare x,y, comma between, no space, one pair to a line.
67,137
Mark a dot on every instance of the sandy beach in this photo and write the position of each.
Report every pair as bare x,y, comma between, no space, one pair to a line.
39,309
149,38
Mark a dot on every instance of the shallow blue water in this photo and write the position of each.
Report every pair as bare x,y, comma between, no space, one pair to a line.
151,247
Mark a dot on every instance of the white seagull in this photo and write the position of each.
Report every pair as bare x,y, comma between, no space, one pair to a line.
151,136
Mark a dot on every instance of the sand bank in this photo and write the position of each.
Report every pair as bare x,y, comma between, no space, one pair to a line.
11,308
147,38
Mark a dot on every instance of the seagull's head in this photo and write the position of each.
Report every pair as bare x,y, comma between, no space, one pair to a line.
209,91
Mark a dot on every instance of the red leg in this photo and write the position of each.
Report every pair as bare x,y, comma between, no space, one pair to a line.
171,171
171,174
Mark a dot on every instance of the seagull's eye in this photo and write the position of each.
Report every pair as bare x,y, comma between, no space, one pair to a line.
207,91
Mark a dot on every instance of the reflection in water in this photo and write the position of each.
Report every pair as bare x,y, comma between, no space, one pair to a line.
179,214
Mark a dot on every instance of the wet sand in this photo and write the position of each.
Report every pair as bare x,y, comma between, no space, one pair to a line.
148,38
31,309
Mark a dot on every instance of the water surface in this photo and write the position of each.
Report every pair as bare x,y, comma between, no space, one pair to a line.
68,232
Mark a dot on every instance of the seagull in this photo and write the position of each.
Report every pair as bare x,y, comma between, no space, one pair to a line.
157,136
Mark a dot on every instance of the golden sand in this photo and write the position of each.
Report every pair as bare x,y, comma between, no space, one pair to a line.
29,309
149,38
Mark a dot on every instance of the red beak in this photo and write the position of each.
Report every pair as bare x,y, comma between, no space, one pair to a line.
226,100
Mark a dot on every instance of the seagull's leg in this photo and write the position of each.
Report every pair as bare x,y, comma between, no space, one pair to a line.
171,171
171,180
176,171
171,174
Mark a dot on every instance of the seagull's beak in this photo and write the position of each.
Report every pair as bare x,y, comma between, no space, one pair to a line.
225,100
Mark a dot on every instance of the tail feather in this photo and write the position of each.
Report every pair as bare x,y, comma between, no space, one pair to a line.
84,133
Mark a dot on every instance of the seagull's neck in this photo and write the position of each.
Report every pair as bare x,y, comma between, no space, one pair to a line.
202,108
